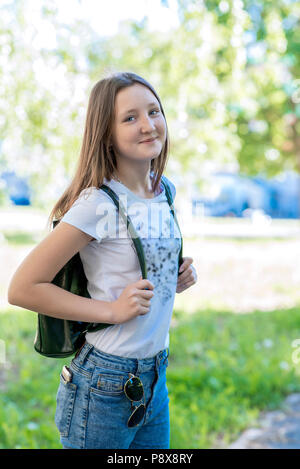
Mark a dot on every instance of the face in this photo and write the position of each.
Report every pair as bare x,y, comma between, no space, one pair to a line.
138,117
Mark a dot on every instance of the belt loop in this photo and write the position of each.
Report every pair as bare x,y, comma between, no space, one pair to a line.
84,352
157,361
138,368
166,354
159,357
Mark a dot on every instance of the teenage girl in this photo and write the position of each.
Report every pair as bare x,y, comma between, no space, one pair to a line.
114,394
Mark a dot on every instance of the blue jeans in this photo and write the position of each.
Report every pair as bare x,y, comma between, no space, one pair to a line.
92,409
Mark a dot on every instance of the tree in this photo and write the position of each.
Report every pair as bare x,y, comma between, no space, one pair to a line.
226,76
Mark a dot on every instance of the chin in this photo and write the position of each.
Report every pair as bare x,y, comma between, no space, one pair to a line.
154,152
153,156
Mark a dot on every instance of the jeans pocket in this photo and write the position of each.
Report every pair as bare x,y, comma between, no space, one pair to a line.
110,384
65,400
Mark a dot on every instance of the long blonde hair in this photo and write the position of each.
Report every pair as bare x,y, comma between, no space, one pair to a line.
97,159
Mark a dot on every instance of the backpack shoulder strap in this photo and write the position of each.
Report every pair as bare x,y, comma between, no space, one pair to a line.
170,202
128,223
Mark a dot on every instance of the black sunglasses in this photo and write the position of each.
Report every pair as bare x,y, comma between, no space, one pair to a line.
134,391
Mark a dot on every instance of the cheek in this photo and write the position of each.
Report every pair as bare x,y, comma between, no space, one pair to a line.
125,137
161,126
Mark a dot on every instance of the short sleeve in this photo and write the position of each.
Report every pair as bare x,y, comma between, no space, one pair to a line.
172,187
93,212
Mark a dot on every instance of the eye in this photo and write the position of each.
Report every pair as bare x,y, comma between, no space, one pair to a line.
132,117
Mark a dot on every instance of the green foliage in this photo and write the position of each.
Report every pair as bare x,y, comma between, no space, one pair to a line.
223,369
222,102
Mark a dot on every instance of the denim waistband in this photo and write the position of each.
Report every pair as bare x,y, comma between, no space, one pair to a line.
98,357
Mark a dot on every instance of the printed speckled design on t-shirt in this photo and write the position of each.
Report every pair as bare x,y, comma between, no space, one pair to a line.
161,256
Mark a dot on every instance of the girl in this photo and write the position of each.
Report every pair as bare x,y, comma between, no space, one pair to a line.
114,394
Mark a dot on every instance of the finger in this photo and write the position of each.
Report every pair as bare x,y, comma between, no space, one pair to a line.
143,311
145,304
184,277
189,279
145,284
186,274
186,262
189,261
183,266
146,294
188,284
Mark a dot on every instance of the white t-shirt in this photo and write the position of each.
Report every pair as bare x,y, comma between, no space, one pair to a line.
111,263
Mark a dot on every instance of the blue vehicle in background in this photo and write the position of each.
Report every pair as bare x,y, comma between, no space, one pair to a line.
284,194
224,194
16,187
230,194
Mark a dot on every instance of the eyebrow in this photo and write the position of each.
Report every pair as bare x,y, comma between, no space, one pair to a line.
133,110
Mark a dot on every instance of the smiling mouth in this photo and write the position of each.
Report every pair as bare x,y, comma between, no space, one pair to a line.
149,141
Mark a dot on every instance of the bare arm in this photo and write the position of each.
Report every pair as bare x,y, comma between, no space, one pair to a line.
31,287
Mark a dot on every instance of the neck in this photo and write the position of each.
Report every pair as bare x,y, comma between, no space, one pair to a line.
138,182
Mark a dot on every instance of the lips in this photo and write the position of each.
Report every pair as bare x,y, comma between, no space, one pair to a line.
149,140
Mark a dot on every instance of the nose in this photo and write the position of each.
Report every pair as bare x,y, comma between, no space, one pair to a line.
147,124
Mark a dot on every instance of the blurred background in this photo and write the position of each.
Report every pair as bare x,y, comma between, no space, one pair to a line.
227,73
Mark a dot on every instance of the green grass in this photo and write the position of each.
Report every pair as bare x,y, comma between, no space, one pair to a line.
223,369
20,238
31,382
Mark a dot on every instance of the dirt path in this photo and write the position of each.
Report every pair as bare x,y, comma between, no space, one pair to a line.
242,276
279,429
